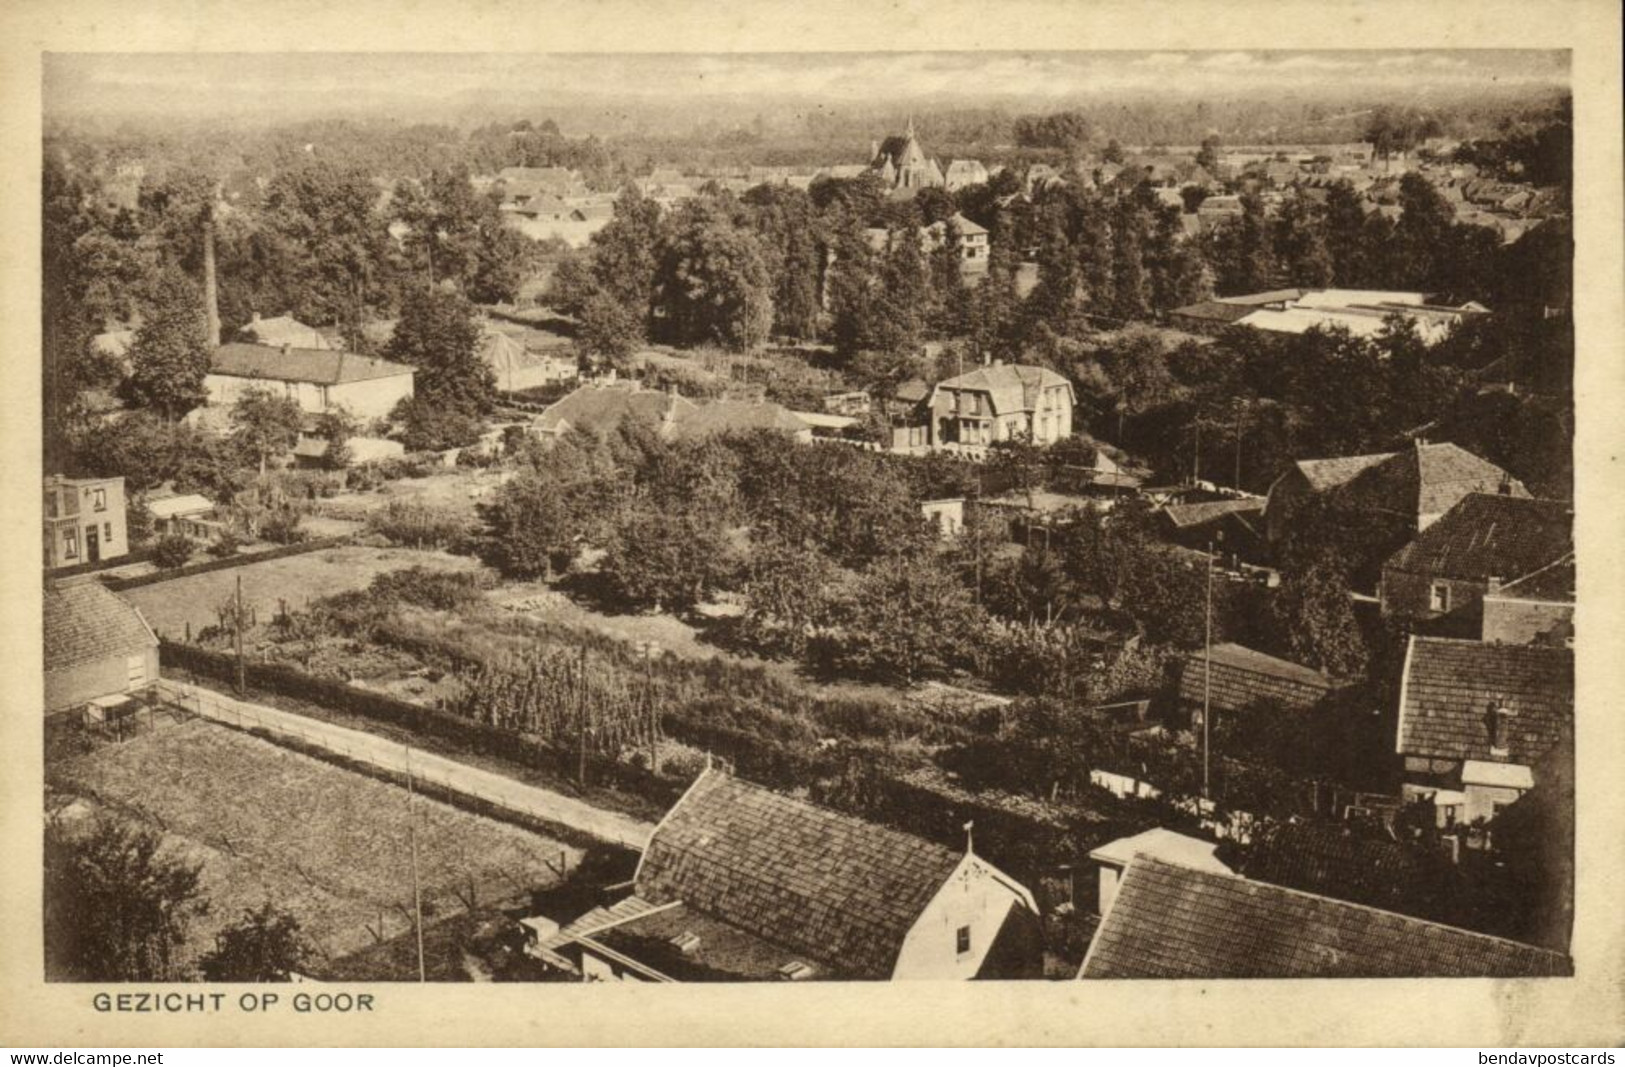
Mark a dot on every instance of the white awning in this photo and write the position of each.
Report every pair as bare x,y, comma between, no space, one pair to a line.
1500,775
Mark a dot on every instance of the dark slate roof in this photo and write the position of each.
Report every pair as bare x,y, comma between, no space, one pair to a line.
1175,922
1217,311
843,891
1449,686
1325,473
1187,515
1243,677
1488,535
86,623
710,949
321,366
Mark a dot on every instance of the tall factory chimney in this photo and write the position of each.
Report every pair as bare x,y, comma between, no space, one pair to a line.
211,295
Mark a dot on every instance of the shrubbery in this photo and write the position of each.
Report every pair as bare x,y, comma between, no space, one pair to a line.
172,551
418,525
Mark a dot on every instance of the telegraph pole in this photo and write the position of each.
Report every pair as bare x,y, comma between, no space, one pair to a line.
237,629
649,698
1207,676
417,890
581,767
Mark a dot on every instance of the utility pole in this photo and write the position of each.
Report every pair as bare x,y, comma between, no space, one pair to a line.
417,890
1207,677
1196,465
1238,449
237,629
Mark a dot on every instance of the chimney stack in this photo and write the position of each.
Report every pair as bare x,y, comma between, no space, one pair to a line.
211,297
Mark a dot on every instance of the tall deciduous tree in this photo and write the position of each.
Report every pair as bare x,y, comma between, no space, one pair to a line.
169,357
713,282
439,335
265,424
116,909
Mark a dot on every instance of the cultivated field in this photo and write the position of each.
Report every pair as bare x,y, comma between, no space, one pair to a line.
169,606
329,845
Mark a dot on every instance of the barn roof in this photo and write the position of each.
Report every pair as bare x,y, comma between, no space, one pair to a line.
1449,686
844,891
1169,921
1242,677
87,623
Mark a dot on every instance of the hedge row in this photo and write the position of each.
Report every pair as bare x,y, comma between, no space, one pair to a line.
118,585
478,737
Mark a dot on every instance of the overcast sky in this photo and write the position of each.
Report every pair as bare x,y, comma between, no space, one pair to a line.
132,82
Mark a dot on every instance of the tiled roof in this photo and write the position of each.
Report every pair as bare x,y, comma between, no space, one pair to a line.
843,891
727,416
1013,387
602,408
1449,686
1174,922
1243,677
1185,515
1487,535
1323,474
1427,479
323,367
86,623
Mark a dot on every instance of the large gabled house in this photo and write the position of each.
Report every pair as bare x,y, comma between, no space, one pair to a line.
1486,542
1475,719
739,883
999,402
1172,921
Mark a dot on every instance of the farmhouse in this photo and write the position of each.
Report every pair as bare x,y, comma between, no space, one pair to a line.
1475,718
1173,921
1413,487
96,646
318,379
84,520
742,884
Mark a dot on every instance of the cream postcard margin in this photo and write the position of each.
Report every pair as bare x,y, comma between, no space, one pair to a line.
1588,1009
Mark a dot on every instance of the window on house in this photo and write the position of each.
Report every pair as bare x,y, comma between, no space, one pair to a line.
99,499
1439,597
107,531
962,940
70,544
51,504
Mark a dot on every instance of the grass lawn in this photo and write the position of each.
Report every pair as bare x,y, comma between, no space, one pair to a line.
169,606
330,845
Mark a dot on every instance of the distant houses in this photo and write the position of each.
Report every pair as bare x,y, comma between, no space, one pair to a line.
739,883
1362,312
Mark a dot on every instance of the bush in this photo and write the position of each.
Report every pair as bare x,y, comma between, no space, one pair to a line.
172,551
419,525
225,545
282,527
442,590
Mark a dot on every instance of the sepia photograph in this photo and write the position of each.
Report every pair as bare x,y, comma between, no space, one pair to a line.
806,517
